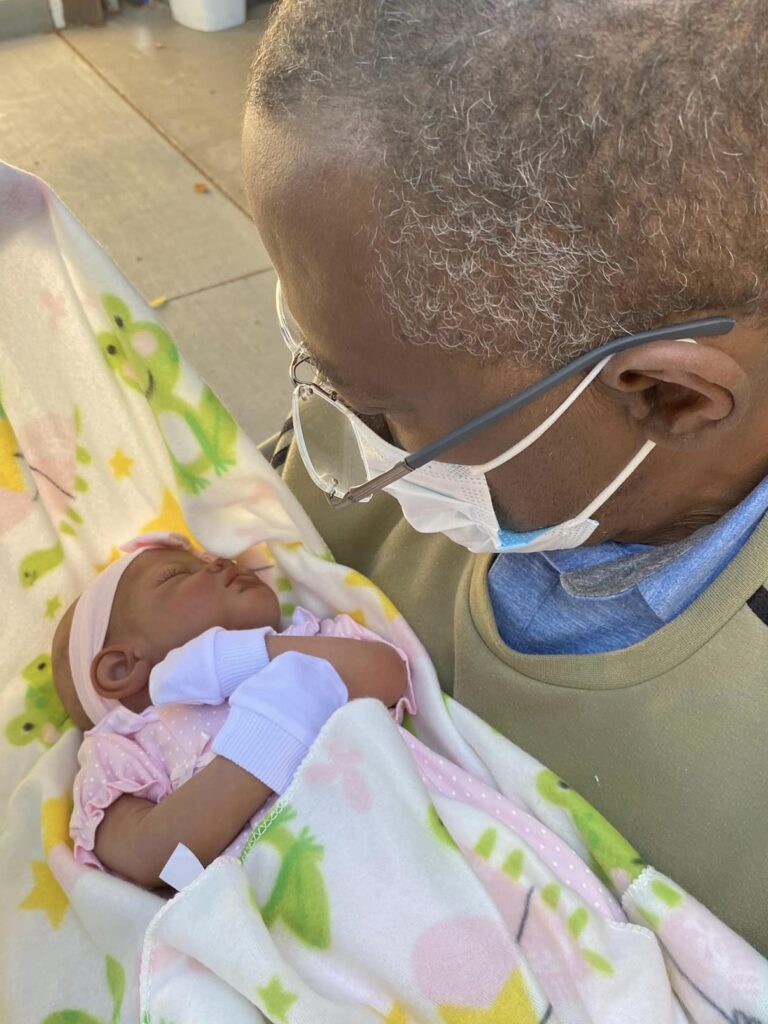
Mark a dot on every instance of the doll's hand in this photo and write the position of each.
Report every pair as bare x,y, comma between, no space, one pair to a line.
276,715
208,668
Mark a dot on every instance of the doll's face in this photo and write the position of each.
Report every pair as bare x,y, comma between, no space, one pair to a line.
168,596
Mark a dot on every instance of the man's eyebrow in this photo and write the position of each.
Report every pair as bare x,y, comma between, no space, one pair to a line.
340,382
328,371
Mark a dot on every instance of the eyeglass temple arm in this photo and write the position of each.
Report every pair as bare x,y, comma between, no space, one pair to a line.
366,490
710,326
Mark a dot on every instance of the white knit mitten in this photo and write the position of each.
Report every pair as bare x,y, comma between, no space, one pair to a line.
208,668
275,716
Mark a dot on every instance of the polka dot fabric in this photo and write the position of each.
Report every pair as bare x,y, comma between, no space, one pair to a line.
448,780
151,754
148,755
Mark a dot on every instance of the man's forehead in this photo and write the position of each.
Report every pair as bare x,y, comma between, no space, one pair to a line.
280,156
319,221
309,198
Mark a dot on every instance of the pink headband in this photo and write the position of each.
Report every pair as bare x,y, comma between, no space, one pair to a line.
91,619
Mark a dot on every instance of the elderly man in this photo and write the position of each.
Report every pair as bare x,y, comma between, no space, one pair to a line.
464,200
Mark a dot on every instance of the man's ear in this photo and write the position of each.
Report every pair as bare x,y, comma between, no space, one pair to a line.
117,672
682,395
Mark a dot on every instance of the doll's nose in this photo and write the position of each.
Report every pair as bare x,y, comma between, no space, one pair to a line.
218,565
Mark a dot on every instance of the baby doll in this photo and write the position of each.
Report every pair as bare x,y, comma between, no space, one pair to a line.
200,708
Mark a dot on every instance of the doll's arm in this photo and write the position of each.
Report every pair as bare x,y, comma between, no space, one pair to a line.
136,837
273,720
209,668
368,668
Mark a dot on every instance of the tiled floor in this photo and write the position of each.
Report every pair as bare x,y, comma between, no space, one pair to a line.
123,121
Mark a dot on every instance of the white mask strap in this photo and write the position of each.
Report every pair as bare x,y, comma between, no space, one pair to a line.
643,454
628,470
553,417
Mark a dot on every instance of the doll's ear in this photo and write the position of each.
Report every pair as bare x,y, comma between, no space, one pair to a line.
117,672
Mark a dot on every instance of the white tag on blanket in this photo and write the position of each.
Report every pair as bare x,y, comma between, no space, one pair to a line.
181,868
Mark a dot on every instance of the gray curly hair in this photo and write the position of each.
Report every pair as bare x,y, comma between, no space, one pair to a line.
551,172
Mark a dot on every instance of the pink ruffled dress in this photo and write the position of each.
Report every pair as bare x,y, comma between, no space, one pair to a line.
149,755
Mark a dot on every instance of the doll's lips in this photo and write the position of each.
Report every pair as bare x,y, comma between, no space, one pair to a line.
231,573
248,581
245,580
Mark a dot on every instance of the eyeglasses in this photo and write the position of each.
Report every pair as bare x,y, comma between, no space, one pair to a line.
327,431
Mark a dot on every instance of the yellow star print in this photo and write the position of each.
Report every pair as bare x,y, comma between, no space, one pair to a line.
121,464
170,519
114,554
10,475
47,895
54,820
52,606
396,1015
512,1004
356,579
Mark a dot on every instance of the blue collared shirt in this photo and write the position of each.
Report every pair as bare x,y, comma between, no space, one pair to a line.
610,596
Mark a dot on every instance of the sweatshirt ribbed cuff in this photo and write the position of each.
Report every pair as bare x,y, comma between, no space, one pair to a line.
238,654
260,747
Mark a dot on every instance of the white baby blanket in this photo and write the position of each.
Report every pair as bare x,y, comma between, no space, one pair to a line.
375,891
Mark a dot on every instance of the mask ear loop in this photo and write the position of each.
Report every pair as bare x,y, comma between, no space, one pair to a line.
553,417
605,494
510,453
543,427
628,470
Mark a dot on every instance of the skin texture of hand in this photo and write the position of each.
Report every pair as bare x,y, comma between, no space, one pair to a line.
367,669
137,836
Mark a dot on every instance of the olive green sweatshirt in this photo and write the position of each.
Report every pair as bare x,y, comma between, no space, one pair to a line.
667,738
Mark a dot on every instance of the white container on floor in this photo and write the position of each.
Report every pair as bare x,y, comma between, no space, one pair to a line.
208,15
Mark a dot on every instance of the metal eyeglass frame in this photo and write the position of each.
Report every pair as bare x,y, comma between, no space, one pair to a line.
708,327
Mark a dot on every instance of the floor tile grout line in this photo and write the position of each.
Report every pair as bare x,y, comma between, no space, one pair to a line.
217,284
156,127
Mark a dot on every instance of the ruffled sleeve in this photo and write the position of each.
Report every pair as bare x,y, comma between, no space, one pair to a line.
111,765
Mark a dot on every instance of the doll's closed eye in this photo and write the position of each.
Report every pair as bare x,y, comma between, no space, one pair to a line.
173,570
